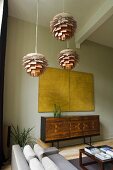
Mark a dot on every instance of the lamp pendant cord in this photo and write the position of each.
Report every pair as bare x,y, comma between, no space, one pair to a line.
36,39
63,5
67,43
69,90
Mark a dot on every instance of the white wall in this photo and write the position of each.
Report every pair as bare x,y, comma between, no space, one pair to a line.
1,12
21,90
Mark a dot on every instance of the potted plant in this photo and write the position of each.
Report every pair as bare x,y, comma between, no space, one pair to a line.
57,110
22,137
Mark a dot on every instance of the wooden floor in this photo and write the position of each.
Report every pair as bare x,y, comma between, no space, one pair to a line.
72,152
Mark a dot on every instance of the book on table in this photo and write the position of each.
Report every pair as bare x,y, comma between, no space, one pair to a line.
110,152
105,148
103,156
92,150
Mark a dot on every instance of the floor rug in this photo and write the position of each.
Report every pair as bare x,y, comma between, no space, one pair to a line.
75,162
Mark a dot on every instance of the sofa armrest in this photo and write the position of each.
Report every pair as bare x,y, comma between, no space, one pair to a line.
61,162
18,161
50,151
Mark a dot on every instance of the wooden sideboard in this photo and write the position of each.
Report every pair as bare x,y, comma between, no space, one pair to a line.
56,129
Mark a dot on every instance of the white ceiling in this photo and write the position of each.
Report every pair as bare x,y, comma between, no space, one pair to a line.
93,16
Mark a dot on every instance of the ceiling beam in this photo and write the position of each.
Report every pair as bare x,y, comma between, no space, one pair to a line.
101,15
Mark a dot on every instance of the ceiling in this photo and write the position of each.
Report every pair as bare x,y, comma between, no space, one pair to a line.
94,17
104,34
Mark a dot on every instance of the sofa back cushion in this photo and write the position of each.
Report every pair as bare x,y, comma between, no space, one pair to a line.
28,152
38,151
35,164
48,164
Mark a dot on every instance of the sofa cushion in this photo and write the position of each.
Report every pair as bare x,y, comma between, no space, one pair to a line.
48,164
61,162
28,152
38,151
35,164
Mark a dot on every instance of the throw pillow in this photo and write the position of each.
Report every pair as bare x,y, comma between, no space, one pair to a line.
28,152
48,164
38,151
35,164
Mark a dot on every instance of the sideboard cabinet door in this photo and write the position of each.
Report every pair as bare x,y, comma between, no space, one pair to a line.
57,129
76,125
91,125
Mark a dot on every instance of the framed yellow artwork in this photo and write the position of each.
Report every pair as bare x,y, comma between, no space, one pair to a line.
71,90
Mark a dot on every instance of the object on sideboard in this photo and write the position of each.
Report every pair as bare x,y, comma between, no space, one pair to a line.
57,110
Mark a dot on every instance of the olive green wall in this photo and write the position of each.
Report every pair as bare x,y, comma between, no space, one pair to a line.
21,90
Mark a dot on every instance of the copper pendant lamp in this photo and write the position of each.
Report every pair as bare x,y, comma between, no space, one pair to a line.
35,63
68,59
63,26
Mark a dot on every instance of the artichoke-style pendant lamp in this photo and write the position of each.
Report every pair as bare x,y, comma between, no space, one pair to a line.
63,26
35,63
68,59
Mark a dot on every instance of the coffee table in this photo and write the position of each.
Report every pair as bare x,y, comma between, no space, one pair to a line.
94,160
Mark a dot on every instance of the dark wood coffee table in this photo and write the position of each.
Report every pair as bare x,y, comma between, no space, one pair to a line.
94,160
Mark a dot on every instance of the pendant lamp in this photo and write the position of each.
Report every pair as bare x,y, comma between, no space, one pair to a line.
63,26
68,59
35,63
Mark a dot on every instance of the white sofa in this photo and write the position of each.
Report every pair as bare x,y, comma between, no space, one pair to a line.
19,162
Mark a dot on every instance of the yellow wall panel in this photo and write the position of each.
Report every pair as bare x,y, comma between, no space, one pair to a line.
71,90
